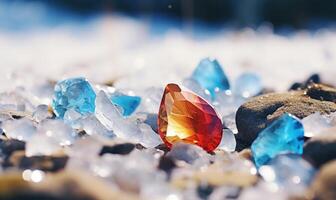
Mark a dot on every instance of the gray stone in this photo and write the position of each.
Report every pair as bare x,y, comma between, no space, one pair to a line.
256,114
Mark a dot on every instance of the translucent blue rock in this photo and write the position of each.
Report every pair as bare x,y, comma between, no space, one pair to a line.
289,172
210,75
127,103
74,93
248,85
285,135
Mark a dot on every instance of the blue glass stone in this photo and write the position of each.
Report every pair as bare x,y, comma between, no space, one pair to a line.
248,85
285,135
288,171
127,103
73,93
210,75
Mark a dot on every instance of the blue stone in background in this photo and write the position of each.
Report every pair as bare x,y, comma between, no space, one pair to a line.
73,93
289,172
285,135
248,85
210,75
127,103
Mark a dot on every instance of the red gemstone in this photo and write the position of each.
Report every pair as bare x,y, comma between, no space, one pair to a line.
186,117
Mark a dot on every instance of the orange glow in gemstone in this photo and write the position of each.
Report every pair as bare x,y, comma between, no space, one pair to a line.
186,117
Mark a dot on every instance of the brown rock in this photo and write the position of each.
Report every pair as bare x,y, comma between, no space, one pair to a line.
321,92
321,149
260,111
324,185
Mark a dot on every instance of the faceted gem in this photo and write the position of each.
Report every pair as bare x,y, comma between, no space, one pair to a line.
248,85
127,103
288,171
285,135
186,117
74,93
210,75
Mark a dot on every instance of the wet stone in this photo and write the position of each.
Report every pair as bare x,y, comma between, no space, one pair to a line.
122,149
322,92
8,146
314,78
321,149
166,164
45,163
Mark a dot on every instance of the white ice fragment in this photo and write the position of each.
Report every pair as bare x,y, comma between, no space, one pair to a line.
148,138
70,116
226,103
92,126
195,87
316,124
228,142
189,153
41,144
58,130
229,122
15,101
21,129
107,113
151,99
41,113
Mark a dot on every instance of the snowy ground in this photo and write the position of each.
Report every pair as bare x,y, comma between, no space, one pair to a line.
124,50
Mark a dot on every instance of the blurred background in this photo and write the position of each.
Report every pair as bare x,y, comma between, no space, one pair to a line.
125,38
308,14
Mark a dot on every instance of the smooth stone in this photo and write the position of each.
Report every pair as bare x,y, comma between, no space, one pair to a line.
323,187
321,149
73,93
254,115
210,75
284,135
322,92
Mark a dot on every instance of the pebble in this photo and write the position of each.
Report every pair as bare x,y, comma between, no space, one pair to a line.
254,115
321,149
